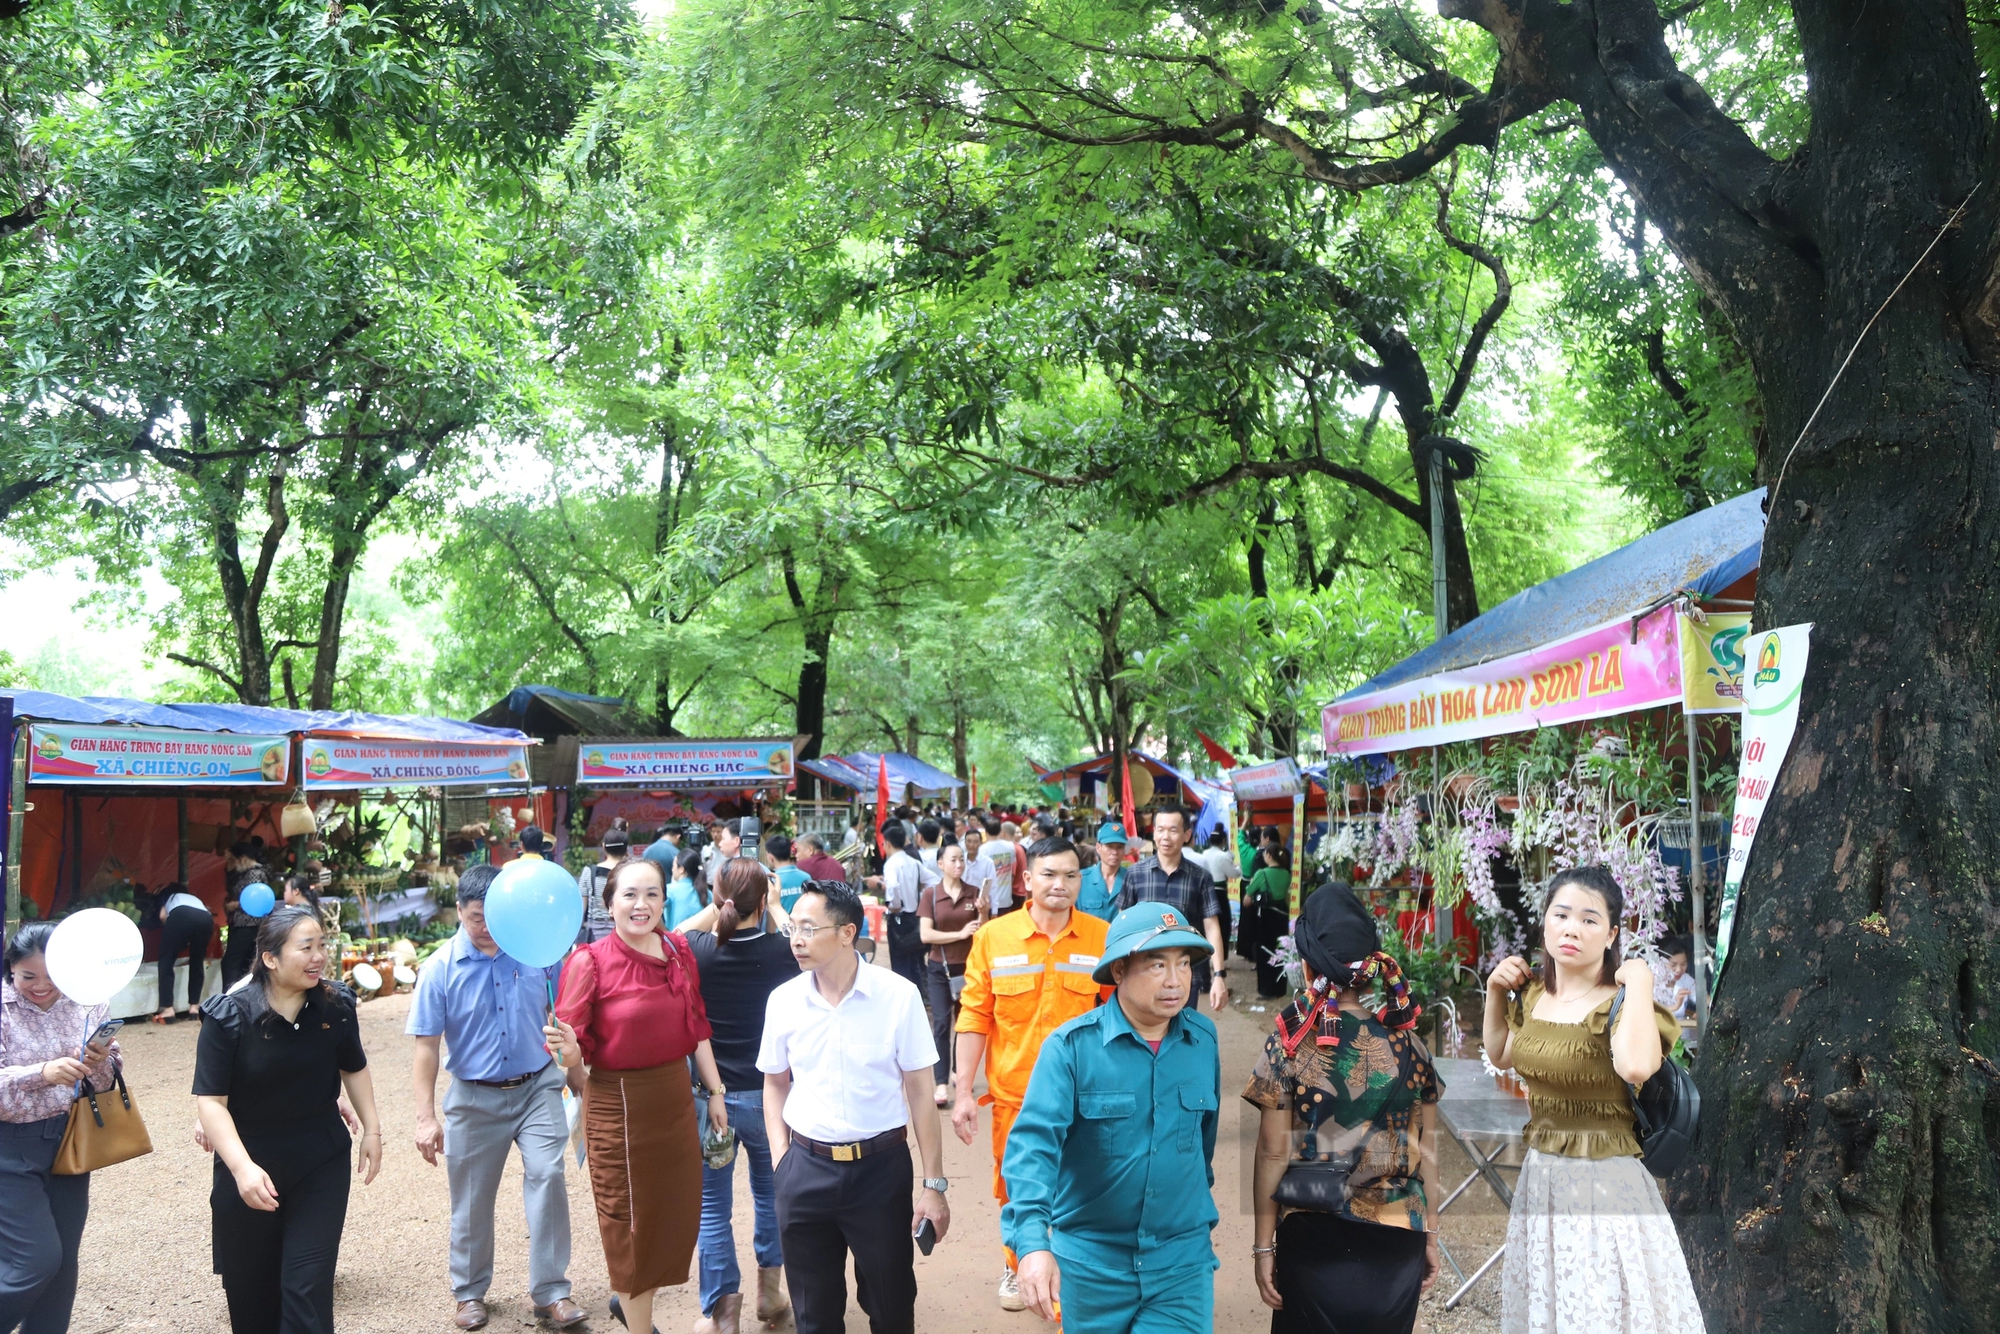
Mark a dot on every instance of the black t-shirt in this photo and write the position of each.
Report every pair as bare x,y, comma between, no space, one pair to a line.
282,1077
736,981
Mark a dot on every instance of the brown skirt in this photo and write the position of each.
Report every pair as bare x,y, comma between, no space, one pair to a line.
645,1173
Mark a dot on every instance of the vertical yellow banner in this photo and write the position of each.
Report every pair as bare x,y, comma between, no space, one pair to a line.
1712,662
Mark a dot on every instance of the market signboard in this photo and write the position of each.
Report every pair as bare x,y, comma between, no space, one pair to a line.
338,762
680,763
1712,662
1259,782
155,756
1615,668
1770,716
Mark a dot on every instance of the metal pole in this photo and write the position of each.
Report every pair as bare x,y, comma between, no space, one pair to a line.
1696,878
1438,600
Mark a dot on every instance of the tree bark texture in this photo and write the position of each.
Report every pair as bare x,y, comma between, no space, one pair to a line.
1848,1175
818,613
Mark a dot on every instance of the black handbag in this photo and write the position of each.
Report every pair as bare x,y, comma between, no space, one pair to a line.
1321,1185
1666,1109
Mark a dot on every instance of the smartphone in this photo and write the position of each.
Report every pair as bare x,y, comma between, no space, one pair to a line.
926,1235
105,1032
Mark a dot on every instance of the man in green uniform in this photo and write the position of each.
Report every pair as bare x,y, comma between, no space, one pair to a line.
1109,1165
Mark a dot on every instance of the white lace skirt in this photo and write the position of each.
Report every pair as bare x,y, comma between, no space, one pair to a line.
1591,1250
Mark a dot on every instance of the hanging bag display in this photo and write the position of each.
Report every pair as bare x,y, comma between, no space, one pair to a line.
104,1128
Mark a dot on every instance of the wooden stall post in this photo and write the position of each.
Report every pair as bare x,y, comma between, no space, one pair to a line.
181,839
17,812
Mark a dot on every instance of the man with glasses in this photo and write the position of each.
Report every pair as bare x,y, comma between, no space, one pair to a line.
1028,974
1110,1163
847,1058
1168,877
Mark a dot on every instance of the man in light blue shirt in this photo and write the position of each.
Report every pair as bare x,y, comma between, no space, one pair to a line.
1109,1165
487,1010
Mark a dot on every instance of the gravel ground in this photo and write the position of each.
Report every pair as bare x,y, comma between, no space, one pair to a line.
146,1263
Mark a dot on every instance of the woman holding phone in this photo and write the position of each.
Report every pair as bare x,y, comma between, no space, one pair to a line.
41,1222
273,1058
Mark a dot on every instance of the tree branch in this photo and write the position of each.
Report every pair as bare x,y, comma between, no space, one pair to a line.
234,685
1503,292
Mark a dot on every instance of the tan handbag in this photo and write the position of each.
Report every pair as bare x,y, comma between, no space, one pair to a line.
104,1128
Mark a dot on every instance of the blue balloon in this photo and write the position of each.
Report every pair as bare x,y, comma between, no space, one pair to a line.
257,900
534,910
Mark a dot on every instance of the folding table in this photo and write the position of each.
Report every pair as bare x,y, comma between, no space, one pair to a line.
1485,1121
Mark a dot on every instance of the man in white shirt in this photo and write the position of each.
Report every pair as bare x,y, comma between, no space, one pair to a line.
999,852
901,885
847,1059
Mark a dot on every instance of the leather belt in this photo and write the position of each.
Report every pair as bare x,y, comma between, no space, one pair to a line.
854,1149
513,1083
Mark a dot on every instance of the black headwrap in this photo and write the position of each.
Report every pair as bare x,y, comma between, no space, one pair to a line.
1339,941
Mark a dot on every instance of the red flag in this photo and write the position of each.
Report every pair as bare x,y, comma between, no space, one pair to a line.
1131,816
881,804
1215,751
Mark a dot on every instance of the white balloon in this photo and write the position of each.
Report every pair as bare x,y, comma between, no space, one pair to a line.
92,955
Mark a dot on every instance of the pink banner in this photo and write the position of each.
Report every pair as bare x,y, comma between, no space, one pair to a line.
1595,674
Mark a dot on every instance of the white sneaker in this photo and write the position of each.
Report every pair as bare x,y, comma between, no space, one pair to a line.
1010,1292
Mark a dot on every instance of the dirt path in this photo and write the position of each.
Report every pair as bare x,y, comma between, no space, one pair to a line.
146,1259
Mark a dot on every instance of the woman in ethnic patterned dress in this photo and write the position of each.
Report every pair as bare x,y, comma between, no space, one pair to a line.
1336,1077
1589,1243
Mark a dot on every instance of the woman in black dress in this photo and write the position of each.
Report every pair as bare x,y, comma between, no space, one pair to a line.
272,1061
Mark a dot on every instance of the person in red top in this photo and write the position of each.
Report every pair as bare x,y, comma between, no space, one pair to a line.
631,1013
816,863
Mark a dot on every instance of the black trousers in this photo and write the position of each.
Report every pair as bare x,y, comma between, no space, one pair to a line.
1264,924
827,1209
238,953
277,1269
944,1010
187,929
41,1226
907,948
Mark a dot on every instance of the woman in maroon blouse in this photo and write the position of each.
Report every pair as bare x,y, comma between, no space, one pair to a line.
631,1011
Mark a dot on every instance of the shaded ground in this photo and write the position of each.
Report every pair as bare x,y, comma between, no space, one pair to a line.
146,1259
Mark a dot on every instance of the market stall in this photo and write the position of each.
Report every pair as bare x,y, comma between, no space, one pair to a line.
1087,787
830,794
1621,658
655,781
109,795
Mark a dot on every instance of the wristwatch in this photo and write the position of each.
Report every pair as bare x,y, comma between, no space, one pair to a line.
938,1184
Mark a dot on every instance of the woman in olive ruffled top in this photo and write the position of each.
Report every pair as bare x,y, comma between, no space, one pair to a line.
1589,1243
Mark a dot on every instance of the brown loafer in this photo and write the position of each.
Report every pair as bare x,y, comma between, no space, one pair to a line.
562,1313
471,1314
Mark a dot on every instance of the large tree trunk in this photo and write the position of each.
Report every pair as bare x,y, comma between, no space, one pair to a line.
347,548
1849,1169
818,613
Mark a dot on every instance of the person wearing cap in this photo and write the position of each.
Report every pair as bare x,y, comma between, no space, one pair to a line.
1336,1078
1101,883
1110,1163
1027,974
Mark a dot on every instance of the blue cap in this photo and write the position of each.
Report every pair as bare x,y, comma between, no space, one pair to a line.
1143,927
1110,833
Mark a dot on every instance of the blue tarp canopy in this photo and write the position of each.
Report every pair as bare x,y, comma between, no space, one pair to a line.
1701,554
836,770
105,710
907,774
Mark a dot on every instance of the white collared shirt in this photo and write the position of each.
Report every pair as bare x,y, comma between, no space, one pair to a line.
904,879
847,1061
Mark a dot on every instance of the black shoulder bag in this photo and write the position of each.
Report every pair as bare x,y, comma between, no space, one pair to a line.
1666,1109
1321,1184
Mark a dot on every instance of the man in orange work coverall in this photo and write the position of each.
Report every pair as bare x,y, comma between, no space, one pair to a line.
1028,974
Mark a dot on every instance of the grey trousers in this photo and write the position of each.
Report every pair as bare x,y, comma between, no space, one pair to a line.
480,1125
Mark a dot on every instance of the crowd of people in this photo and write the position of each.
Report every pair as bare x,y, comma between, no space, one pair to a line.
722,1004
